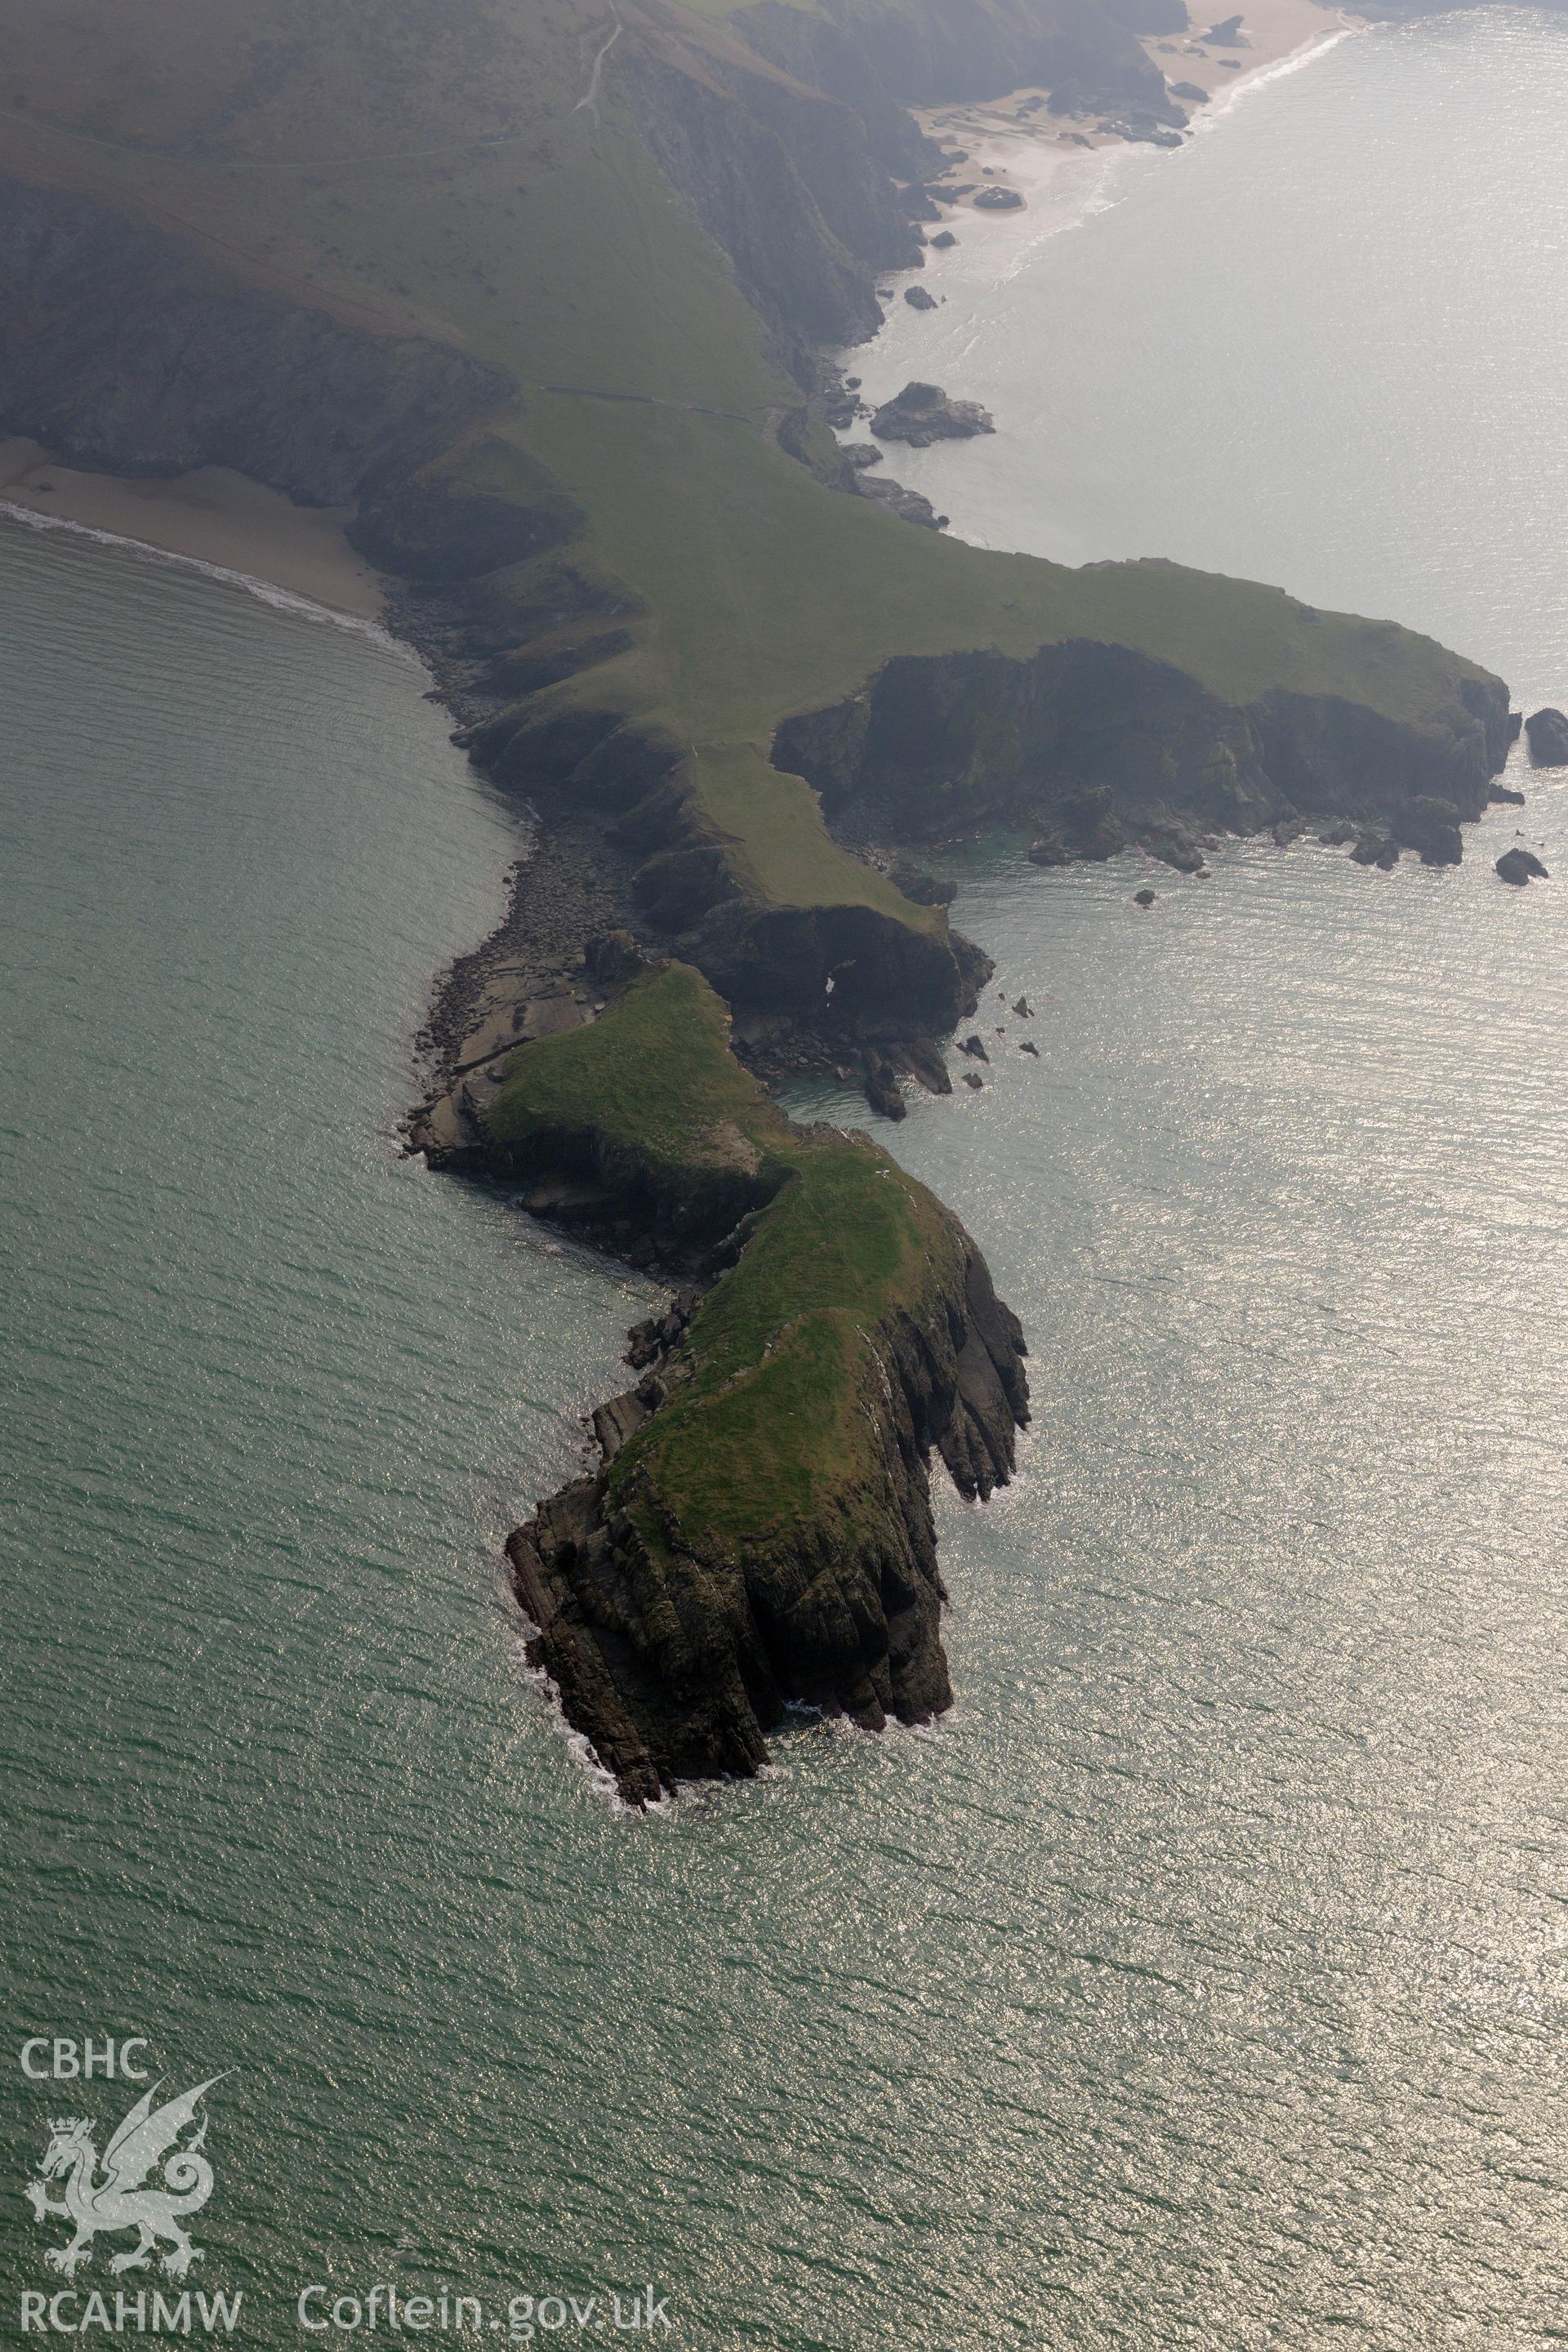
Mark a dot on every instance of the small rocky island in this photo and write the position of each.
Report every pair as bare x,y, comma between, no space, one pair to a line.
923,413
1546,733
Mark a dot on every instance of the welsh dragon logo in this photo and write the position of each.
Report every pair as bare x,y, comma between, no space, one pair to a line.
129,2192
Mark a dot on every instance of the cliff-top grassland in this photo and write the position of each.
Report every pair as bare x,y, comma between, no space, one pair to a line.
534,295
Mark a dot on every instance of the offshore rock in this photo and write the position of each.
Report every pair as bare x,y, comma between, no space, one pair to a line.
1376,849
1431,827
882,1091
1176,845
998,199
917,298
1546,733
1520,866
922,413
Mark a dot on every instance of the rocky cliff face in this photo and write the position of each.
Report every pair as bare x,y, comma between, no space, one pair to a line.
780,171
114,358
939,743
690,894
788,130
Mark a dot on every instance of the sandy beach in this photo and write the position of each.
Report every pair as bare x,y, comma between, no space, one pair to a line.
1016,141
211,516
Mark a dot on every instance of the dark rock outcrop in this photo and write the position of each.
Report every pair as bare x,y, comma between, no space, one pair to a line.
922,413
910,506
917,298
935,744
998,199
1142,129
1546,733
1431,827
1520,866
1089,827
1376,849
923,889
881,1090
1142,897
1173,844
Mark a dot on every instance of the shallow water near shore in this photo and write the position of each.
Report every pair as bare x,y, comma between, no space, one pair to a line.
1203,1980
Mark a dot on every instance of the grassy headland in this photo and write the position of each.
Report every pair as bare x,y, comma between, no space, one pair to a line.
570,256
761,1533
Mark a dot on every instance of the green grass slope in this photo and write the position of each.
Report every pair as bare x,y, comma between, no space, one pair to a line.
766,1425
470,172
435,169
765,1535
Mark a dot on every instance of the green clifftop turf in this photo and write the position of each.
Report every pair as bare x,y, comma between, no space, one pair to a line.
433,172
766,1422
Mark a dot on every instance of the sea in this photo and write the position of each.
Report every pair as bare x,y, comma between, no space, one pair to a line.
1202,1981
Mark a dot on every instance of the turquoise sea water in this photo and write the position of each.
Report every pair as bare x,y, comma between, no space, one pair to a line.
1202,1981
